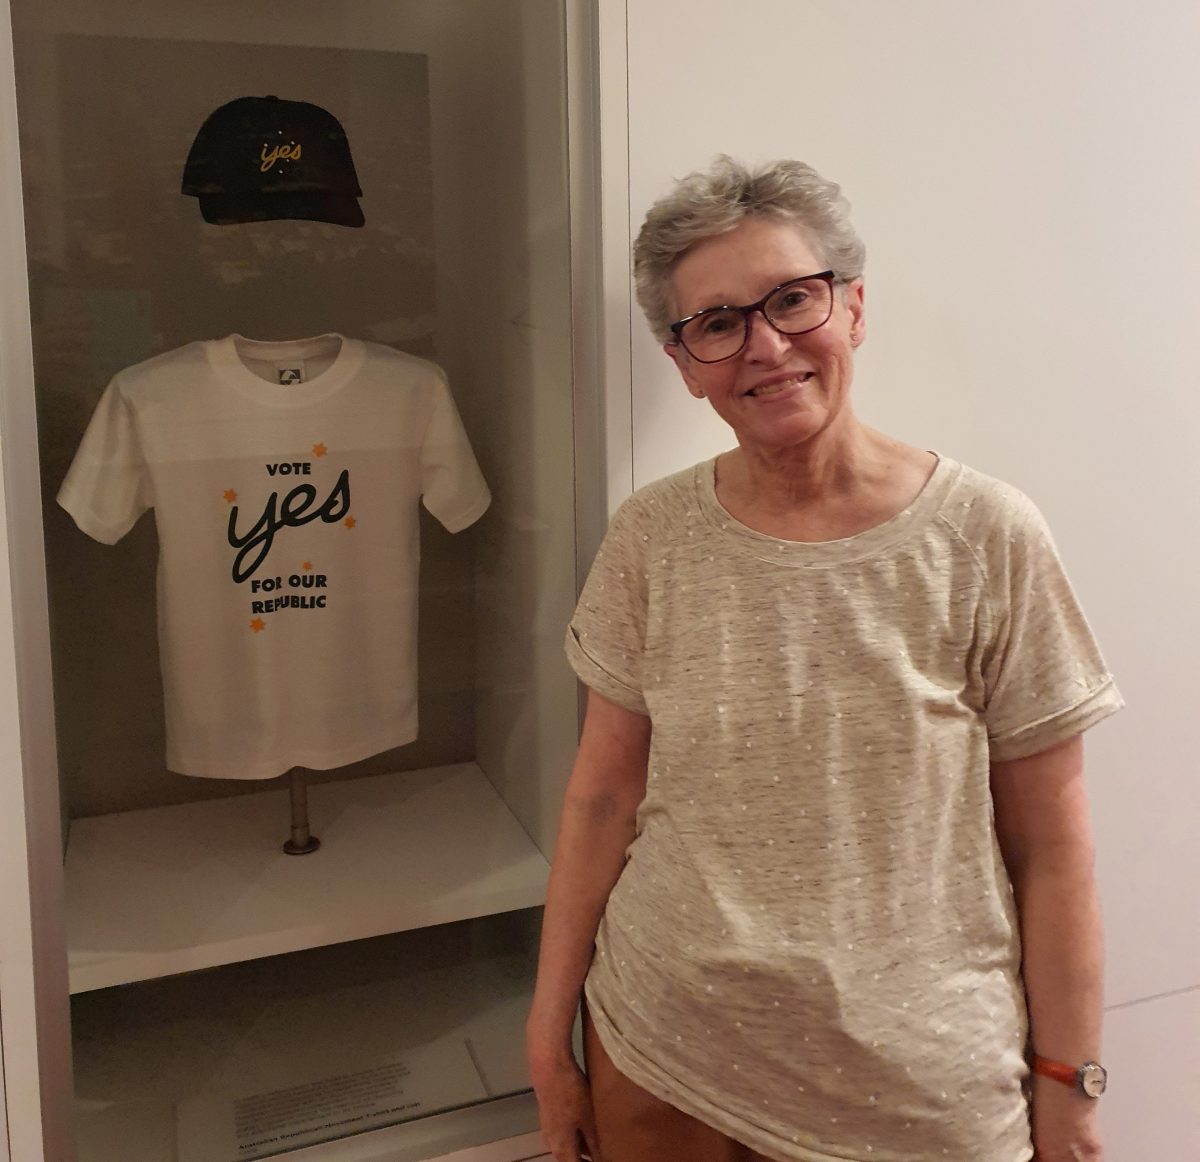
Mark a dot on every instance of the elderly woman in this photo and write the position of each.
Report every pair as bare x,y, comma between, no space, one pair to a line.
825,869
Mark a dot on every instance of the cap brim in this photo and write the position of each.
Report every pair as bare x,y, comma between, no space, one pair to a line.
230,209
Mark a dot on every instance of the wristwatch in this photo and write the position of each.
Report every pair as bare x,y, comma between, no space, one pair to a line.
1089,1077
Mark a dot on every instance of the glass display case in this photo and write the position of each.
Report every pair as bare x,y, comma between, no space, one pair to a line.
307,386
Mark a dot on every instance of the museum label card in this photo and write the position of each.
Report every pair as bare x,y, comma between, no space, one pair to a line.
239,1127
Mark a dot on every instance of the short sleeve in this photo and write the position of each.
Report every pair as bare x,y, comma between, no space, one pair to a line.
1044,677
108,485
607,636
452,487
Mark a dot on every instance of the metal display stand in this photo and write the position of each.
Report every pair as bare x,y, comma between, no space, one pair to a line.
302,841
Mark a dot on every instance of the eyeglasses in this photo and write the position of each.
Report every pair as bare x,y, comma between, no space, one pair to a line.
792,308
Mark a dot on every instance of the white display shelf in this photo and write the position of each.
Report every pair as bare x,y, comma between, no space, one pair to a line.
147,1052
171,889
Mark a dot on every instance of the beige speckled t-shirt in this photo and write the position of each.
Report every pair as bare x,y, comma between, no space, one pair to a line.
813,945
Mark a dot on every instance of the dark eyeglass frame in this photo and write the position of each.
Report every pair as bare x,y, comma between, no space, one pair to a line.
676,328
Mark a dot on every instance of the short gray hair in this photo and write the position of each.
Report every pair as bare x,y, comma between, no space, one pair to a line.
713,201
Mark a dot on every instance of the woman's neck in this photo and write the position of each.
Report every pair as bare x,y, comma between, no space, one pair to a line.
824,489
832,467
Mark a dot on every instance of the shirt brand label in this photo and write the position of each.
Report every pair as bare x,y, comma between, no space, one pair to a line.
290,373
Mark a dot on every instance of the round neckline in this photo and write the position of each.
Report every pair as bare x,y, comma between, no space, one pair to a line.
225,355
827,554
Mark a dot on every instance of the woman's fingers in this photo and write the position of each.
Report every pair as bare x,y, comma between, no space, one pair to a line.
590,1149
587,1131
565,1113
569,1142
571,1147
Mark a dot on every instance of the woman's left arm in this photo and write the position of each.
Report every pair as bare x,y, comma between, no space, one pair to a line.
1044,831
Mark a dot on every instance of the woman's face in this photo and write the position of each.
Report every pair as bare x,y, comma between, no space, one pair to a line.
808,375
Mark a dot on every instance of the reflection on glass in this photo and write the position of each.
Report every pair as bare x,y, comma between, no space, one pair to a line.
313,384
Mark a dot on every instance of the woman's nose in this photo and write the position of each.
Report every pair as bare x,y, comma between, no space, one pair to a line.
764,343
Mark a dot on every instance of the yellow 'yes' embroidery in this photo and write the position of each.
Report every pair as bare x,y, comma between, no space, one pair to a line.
280,153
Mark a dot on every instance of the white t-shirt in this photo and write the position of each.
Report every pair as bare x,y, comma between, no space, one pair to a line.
285,479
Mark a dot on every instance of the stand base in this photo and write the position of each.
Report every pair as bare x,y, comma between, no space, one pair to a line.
291,847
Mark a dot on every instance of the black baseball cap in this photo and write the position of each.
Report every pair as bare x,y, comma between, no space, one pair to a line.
258,159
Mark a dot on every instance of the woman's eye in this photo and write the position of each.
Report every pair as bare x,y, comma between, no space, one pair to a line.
716,324
792,300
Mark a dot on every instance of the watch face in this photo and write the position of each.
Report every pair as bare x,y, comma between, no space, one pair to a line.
1093,1078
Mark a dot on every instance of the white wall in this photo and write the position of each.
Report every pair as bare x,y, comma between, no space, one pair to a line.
1025,178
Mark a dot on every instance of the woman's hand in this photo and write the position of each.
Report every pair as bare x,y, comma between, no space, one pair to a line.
565,1112
1064,1124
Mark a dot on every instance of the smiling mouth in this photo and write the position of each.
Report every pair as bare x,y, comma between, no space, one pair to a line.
775,388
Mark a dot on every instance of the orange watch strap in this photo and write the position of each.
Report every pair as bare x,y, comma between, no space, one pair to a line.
1067,1074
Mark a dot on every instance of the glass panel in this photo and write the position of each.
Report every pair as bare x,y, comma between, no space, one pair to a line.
266,1055
322,627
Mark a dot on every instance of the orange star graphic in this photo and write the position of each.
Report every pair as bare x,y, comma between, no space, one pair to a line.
230,495
306,566
258,625
319,450
350,522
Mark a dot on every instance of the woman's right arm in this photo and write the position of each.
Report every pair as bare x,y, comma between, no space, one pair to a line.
598,824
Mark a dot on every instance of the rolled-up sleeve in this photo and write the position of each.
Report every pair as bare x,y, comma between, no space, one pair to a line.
606,639
1044,675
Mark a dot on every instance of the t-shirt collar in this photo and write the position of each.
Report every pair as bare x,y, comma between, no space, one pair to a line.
827,554
225,356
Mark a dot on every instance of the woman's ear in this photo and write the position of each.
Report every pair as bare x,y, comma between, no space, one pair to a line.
678,356
854,299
